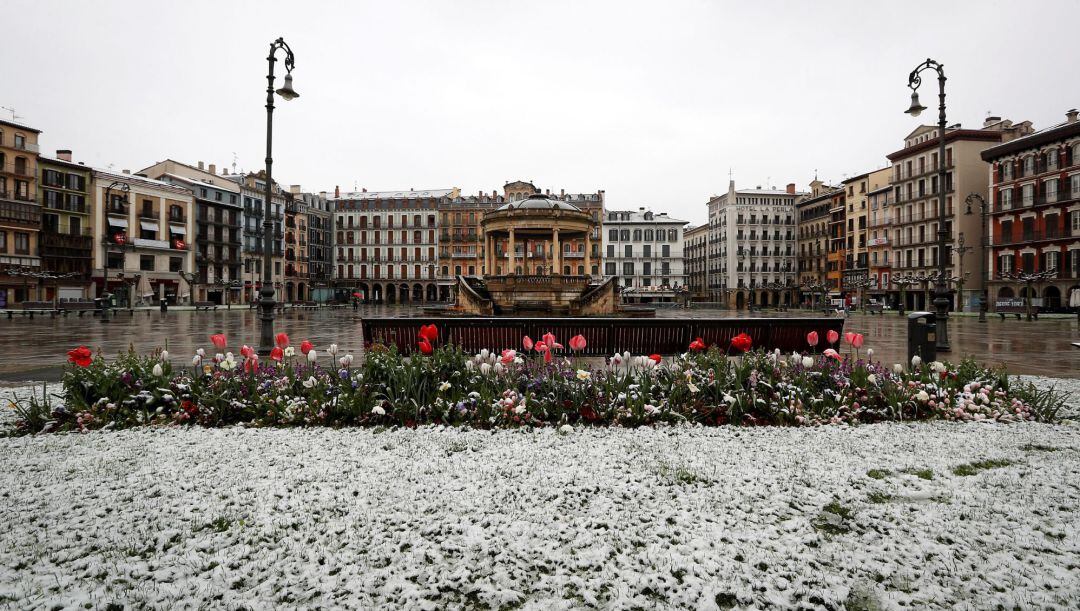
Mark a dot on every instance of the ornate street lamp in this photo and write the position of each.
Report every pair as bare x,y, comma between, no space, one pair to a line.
815,287
266,340
984,211
941,291
124,188
860,285
960,251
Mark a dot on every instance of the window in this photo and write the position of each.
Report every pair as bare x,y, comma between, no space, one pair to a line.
611,250
75,226
1027,194
1029,165
647,251
146,263
609,269
22,241
1006,199
627,269
1052,160
665,251
1050,189
628,251
176,264
624,235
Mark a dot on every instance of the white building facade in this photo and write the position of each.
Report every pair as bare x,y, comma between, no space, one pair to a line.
644,249
751,247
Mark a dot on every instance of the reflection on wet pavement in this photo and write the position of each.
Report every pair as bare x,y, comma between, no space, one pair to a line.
37,348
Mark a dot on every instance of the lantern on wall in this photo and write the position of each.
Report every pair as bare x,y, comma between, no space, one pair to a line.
120,238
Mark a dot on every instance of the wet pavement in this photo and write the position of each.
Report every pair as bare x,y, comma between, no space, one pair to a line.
37,349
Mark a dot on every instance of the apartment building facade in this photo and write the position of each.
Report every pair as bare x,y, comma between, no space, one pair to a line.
141,238
67,236
914,226
217,240
20,213
856,266
461,243
644,250
813,217
320,244
1034,217
387,244
694,245
752,260
253,194
880,218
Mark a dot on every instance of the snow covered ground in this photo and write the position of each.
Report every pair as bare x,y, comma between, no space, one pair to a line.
924,516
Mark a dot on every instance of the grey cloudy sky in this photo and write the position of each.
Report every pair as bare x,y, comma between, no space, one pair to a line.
652,102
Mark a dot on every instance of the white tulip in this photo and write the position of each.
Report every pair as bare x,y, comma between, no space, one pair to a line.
378,410
916,361
898,369
346,360
500,368
332,350
290,351
164,355
807,362
869,354
312,356
796,358
470,365
200,352
310,382
485,368
195,360
484,354
922,396
158,371
873,379
938,367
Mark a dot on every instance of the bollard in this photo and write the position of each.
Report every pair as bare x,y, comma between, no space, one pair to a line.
922,336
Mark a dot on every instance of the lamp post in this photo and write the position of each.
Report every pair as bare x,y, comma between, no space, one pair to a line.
124,188
961,250
266,340
941,291
984,211
861,285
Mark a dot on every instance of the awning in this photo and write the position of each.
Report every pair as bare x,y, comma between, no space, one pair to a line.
149,225
178,229
118,222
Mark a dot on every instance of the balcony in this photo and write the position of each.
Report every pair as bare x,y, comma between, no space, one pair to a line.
144,243
177,218
148,214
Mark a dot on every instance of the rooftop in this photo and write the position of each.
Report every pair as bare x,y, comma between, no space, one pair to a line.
640,215
1068,128
20,126
408,194
539,201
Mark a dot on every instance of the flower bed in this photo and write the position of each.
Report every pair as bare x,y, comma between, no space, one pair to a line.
542,385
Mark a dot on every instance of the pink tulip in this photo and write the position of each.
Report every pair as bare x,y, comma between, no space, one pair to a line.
219,341
549,339
829,352
577,342
857,341
832,336
247,351
849,337
527,343
812,338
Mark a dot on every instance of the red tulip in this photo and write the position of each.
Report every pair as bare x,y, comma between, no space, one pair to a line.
425,346
812,338
849,337
281,340
527,343
741,342
429,332
857,341
305,347
81,356
549,339
577,342
697,345
251,364
247,351
277,353
656,358
832,336
219,341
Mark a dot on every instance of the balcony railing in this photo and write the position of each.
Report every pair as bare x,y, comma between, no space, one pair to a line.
148,214
18,169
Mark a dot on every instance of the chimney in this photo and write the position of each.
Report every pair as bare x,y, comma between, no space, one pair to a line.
201,166
990,121
322,194
294,189
1070,115
337,191
127,171
213,169
562,193
65,154
791,188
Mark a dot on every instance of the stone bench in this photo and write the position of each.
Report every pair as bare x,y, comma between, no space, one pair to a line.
205,305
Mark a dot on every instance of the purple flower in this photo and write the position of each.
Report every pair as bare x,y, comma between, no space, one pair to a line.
343,374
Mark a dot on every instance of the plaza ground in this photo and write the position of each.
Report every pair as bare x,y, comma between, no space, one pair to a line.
37,348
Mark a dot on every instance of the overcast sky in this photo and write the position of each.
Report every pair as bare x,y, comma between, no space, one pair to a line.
652,102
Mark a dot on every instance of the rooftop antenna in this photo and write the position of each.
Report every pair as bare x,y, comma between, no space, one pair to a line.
234,162
14,117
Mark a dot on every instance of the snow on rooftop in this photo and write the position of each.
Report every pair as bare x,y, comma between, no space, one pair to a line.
407,194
